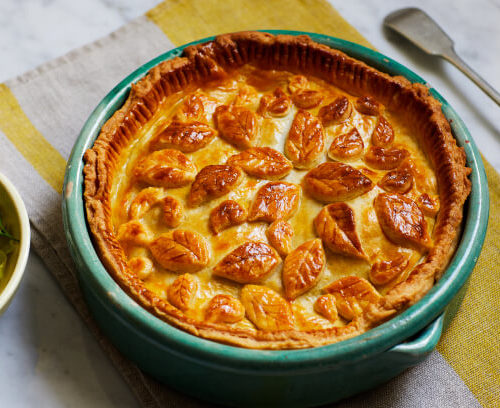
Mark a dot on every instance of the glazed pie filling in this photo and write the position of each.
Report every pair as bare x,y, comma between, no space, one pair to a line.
271,192
273,201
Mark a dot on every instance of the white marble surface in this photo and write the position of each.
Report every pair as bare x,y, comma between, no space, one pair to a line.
47,358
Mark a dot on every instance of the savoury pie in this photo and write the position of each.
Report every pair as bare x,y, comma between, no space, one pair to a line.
271,192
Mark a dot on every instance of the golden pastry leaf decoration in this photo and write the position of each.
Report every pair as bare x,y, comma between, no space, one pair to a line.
383,134
346,146
397,181
338,111
367,105
133,233
302,96
192,108
251,262
297,83
382,272
262,162
402,221
141,266
186,137
307,98
420,176
335,181
181,251
305,142
224,309
302,268
195,107
367,172
382,158
173,212
429,205
280,234
307,321
266,309
144,201
245,96
336,227
276,104
352,295
225,215
167,168
213,181
182,292
237,125
274,201
326,306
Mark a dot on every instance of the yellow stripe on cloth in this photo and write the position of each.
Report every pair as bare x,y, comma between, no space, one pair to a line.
190,20
44,158
472,342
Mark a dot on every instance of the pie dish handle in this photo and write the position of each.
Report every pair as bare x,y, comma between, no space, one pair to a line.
420,346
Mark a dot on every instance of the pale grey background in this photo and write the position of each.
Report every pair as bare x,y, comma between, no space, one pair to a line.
47,358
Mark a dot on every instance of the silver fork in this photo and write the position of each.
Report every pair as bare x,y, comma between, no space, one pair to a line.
416,26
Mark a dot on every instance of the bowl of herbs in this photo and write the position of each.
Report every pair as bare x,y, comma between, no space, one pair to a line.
14,241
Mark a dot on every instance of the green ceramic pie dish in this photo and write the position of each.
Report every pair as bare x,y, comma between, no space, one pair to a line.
236,376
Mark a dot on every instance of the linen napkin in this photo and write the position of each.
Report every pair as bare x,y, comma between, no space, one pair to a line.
42,112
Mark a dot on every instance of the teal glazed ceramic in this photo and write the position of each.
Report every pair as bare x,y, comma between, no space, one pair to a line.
292,378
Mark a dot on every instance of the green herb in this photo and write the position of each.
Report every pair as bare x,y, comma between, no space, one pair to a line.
7,245
4,232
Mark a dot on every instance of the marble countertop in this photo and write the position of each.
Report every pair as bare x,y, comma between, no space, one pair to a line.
47,357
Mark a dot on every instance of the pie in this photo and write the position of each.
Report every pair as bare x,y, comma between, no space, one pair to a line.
271,192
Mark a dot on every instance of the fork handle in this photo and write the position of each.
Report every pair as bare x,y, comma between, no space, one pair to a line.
452,57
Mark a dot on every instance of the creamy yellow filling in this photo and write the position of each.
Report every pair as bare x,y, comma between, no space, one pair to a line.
272,133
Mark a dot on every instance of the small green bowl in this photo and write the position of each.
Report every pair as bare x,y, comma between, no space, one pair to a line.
15,217
237,376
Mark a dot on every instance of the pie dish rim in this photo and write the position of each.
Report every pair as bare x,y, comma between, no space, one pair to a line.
339,44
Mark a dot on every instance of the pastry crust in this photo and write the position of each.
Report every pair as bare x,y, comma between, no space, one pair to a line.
213,61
